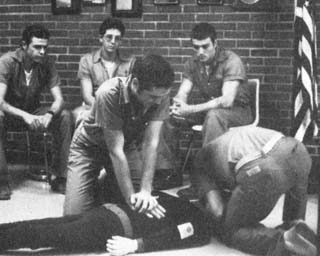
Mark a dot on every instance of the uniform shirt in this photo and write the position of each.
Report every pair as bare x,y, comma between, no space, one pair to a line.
44,76
226,66
116,109
91,67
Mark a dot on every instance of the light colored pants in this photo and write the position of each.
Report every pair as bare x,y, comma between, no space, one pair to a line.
218,121
255,190
86,160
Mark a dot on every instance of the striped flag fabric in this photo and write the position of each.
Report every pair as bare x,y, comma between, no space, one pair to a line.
305,99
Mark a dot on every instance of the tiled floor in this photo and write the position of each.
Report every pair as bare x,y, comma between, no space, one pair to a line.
32,200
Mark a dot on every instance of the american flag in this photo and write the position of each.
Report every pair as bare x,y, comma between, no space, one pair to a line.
305,86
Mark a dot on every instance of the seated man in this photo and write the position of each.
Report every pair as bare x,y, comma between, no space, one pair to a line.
126,111
257,166
24,74
103,64
115,228
220,77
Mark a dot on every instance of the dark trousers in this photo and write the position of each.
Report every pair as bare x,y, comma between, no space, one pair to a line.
61,128
259,184
86,232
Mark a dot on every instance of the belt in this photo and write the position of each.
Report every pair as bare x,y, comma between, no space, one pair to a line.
124,219
265,149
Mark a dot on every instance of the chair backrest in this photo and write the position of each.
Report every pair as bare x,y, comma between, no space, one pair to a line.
254,87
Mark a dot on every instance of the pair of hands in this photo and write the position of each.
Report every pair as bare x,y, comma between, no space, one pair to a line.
145,203
179,108
38,122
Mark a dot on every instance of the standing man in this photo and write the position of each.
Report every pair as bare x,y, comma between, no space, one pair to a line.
127,110
220,76
257,165
103,64
24,74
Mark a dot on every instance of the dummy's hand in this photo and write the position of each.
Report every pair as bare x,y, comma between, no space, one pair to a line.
144,202
119,245
180,108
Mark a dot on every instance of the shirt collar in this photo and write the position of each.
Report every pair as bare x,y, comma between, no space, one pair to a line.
97,57
19,55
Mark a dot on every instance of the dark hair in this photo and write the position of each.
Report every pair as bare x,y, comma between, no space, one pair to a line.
202,31
153,71
110,23
34,30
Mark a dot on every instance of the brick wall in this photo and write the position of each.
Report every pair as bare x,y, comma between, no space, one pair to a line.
264,40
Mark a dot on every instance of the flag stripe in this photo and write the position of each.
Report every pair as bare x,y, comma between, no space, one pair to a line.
305,87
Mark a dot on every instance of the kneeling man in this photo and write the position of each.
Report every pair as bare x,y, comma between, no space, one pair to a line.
127,111
241,176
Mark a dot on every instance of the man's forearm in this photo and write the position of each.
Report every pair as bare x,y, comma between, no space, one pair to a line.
148,167
122,172
57,106
204,107
7,108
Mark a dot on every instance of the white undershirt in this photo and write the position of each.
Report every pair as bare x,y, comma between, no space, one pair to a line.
109,66
28,76
207,68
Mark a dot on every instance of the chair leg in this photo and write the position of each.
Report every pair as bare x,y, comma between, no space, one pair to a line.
187,154
28,150
45,149
37,173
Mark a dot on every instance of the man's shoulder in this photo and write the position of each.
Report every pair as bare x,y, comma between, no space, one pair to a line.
225,54
11,56
91,56
110,86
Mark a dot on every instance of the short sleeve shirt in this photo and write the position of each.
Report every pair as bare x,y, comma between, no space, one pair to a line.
116,109
44,76
91,68
226,66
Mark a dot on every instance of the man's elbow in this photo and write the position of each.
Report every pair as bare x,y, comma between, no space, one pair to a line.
2,104
229,103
